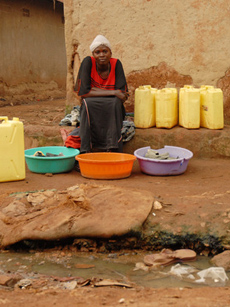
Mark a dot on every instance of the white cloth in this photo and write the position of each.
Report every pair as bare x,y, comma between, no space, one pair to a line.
99,40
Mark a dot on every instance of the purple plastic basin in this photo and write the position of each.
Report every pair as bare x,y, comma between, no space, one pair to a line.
164,167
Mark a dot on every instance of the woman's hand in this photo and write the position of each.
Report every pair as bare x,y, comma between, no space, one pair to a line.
121,95
97,92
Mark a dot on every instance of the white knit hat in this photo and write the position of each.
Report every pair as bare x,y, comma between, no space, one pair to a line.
99,40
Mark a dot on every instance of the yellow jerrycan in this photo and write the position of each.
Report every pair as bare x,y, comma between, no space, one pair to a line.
211,107
166,108
188,86
206,87
12,157
189,107
144,107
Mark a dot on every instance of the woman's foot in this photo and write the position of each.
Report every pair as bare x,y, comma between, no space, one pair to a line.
64,134
77,167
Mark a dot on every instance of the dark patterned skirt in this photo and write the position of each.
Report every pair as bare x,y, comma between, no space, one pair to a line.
101,123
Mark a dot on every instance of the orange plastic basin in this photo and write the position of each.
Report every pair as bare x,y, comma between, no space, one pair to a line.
105,165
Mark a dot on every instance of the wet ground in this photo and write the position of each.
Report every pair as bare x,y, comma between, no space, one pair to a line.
123,266
66,278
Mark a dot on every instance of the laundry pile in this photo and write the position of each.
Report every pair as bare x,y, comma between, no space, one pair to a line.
153,154
128,130
48,154
73,139
72,119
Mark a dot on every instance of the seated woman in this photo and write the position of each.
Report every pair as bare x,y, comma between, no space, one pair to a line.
102,86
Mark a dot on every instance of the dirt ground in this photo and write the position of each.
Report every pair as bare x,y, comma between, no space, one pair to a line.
198,199
112,297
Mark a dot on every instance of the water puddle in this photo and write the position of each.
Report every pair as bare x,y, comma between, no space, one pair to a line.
113,266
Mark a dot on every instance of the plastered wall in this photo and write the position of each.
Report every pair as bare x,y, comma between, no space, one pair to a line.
32,51
160,42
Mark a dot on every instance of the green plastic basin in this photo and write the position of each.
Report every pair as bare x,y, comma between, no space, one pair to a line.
54,165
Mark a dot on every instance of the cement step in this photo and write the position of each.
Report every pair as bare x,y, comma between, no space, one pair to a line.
41,125
204,143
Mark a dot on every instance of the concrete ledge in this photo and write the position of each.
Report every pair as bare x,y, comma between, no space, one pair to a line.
204,143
